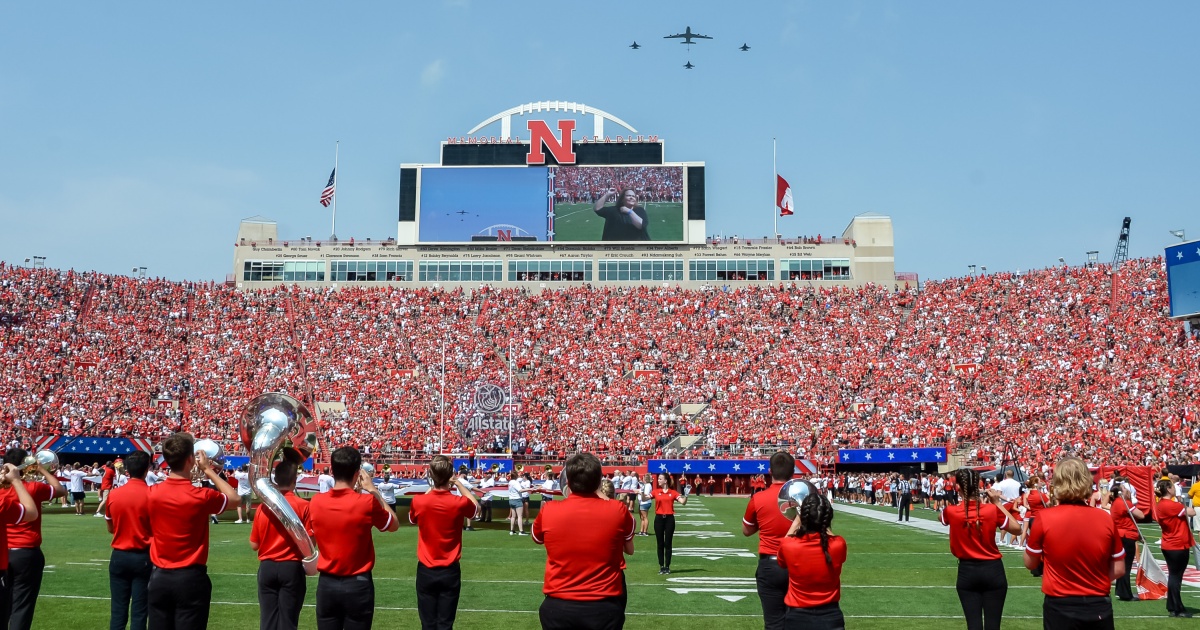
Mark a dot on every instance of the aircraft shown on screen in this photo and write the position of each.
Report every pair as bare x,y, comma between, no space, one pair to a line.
744,47
688,65
687,36
635,45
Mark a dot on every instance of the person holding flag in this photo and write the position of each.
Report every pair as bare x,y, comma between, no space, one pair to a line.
1123,513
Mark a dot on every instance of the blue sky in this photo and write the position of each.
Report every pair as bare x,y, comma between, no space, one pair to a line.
490,196
999,134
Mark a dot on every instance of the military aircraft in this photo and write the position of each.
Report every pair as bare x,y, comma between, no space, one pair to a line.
743,47
688,65
687,36
635,45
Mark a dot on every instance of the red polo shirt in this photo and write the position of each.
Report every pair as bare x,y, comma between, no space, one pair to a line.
341,521
763,512
274,542
973,531
179,522
585,539
1036,502
128,508
1123,520
1078,544
1170,514
812,582
438,517
106,480
664,501
29,535
11,513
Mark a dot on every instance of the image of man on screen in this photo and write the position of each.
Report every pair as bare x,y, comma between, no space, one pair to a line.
625,221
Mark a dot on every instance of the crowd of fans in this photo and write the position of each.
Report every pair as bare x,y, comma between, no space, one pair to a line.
1069,359
586,184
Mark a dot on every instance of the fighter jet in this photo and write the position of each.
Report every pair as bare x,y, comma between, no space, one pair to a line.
743,48
688,65
635,45
687,36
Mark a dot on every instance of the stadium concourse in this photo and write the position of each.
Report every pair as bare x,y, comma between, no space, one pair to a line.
1068,359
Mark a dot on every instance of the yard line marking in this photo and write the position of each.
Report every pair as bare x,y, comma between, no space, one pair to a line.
85,564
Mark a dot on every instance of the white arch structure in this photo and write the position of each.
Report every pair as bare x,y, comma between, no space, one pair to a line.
491,230
505,117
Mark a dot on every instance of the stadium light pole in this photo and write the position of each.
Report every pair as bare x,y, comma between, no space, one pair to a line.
510,395
971,268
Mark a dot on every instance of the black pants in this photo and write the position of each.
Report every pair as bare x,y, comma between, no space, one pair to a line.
905,506
281,590
128,581
982,588
179,598
1077,613
25,567
1124,588
827,617
485,511
772,582
437,595
664,532
564,614
1177,561
345,602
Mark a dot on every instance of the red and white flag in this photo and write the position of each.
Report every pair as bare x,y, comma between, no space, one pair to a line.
783,196
1151,580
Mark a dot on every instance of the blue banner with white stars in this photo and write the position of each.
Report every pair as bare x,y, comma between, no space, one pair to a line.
895,456
94,445
1183,278
709,466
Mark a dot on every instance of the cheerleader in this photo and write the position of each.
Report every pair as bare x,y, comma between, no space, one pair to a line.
982,586
813,558
665,498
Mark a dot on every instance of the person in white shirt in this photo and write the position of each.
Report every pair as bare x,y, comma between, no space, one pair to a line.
518,488
630,483
388,488
324,481
242,475
485,504
1010,489
75,487
645,503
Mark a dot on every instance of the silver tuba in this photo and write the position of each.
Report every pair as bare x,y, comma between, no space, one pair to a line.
269,423
48,459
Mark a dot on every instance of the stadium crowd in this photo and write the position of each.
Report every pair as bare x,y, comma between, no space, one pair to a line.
574,184
1063,360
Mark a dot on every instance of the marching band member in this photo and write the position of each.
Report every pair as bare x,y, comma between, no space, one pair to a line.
341,520
1176,544
180,590
764,518
584,536
1080,551
813,558
128,517
439,543
982,586
665,498
281,574
1123,511
15,507
26,562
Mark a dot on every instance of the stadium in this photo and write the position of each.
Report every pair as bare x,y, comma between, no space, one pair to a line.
514,335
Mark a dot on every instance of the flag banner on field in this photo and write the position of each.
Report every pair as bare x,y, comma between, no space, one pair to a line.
96,445
504,464
722,466
1151,580
783,196
327,194
891,456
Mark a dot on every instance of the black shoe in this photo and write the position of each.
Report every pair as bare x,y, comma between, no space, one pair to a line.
667,571
663,570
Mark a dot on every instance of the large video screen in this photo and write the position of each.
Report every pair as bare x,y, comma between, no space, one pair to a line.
558,203
1183,279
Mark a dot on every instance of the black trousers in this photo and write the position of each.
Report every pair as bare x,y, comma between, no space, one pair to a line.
664,533
982,588
179,598
128,581
25,567
1077,613
1124,588
281,590
345,602
827,617
905,506
1177,561
485,511
772,582
565,614
5,599
437,595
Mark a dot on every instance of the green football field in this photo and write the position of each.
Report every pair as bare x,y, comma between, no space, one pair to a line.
895,577
578,222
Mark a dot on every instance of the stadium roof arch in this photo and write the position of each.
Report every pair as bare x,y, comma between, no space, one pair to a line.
505,117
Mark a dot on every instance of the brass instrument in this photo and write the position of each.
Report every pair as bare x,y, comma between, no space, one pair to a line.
792,494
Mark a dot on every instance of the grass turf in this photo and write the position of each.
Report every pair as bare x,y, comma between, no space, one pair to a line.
578,222
895,577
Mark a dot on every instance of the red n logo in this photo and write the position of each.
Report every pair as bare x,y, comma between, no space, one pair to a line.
503,235
560,148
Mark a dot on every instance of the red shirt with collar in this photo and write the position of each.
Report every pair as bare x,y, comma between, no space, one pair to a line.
1122,519
438,516
973,530
811,581
664,501
585,538
128,508
179,522
341,521
763,512
274,542
1170,514
29,535
11,513
106,480
1077,544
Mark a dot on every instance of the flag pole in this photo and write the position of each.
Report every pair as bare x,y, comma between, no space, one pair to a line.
774,187
333,226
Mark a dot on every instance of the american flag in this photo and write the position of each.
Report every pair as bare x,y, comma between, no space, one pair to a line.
327,194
